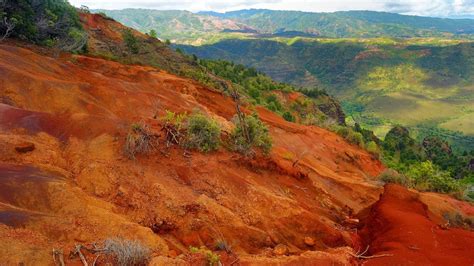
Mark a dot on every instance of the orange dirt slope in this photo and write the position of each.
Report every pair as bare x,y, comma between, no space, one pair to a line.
76,186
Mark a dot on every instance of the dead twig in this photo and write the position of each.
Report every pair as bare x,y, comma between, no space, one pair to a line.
58,256
95,261
235,261
361,255
373,256
173,134
300,157
81,256
9,25
305,189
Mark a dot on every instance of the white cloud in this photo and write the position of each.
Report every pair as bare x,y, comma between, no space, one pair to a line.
432,7
414,7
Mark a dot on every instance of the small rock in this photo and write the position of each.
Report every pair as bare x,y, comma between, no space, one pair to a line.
351,221
25,147
268,241
280,250
172,253
309,241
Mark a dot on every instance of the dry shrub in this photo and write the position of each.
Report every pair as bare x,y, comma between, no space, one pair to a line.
174,128
127,252
140,140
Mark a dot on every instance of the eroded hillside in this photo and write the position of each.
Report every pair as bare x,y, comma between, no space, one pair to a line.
65,180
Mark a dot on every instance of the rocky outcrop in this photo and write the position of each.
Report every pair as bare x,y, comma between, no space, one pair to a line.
331,108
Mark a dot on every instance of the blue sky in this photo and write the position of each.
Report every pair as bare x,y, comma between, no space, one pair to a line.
438,8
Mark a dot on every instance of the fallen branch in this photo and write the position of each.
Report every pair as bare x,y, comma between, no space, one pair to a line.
59,256
360,255
299,158
235,261
372,256
9,25
81,256
95,261
305,189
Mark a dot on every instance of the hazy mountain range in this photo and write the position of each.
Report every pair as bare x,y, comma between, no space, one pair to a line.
185,26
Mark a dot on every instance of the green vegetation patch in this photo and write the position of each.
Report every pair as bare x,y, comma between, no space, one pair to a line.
52,23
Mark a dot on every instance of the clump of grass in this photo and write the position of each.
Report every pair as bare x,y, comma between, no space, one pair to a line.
455,219
127,252
223,245
212,258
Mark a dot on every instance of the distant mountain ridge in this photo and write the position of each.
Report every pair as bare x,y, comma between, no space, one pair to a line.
174,24
185,25
270,20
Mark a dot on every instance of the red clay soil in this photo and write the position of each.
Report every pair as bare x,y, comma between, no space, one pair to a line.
77,187
399,225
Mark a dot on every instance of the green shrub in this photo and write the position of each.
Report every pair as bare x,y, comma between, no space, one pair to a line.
42,21
153,34
394,177
203,133
289,117
273,103
351,135
428,177
356,138
258,136
130,41
373,148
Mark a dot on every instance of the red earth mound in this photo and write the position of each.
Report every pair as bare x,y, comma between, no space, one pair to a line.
77,187
399,226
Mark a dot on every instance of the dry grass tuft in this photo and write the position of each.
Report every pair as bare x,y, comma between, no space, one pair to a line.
140,140
127,252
